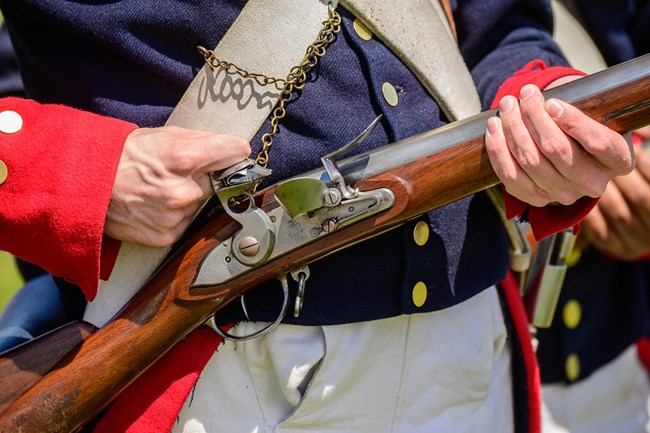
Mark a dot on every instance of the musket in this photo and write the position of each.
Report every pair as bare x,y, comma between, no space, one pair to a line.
252,238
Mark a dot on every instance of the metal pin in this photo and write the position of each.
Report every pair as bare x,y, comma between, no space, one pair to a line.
329,225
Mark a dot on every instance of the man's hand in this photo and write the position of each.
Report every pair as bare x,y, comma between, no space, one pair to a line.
619,225
162,180
550,152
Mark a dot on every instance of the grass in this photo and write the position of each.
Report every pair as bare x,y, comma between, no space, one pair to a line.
10,279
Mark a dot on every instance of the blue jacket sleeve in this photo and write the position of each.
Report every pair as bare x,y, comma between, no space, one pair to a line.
499,37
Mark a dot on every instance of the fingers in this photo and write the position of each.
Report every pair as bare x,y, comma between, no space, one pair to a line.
523,133
162,180
513,177
561,151
642,162
597,232
612,232
518,158
620,223
634,190
199,153
606,146
622,226
205,185
222,151
547,151
216,153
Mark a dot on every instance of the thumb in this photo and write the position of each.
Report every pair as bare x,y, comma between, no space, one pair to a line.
216,152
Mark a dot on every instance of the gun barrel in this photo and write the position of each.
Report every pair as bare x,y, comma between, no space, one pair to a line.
423,172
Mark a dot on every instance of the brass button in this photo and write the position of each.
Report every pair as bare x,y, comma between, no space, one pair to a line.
390,94
361,29
10,122
574,257
3,172
419,294
571,314
572,367
421,233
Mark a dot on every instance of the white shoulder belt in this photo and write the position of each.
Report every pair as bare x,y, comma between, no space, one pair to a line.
271,36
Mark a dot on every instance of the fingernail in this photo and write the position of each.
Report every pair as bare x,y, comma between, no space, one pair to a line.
506,104
527,91
553,108
492,125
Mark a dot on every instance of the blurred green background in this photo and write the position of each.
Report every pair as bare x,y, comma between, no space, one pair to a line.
10,279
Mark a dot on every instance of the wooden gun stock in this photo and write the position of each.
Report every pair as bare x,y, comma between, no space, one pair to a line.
22,367
166,309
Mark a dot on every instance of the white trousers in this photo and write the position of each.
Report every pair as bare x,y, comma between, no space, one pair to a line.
614,399
446,371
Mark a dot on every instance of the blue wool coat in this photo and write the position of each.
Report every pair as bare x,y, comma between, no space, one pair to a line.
133,60
612,296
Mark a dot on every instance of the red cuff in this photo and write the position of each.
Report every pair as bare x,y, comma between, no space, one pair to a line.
643,351
61,166
108,256
535,72
153,402
549,219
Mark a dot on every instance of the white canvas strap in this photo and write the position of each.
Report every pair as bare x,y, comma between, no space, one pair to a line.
574,40
268,35
271,36
419,34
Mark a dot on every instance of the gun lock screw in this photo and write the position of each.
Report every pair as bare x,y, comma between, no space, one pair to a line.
248,246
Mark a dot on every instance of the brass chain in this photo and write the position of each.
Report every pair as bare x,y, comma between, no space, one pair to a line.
295,80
